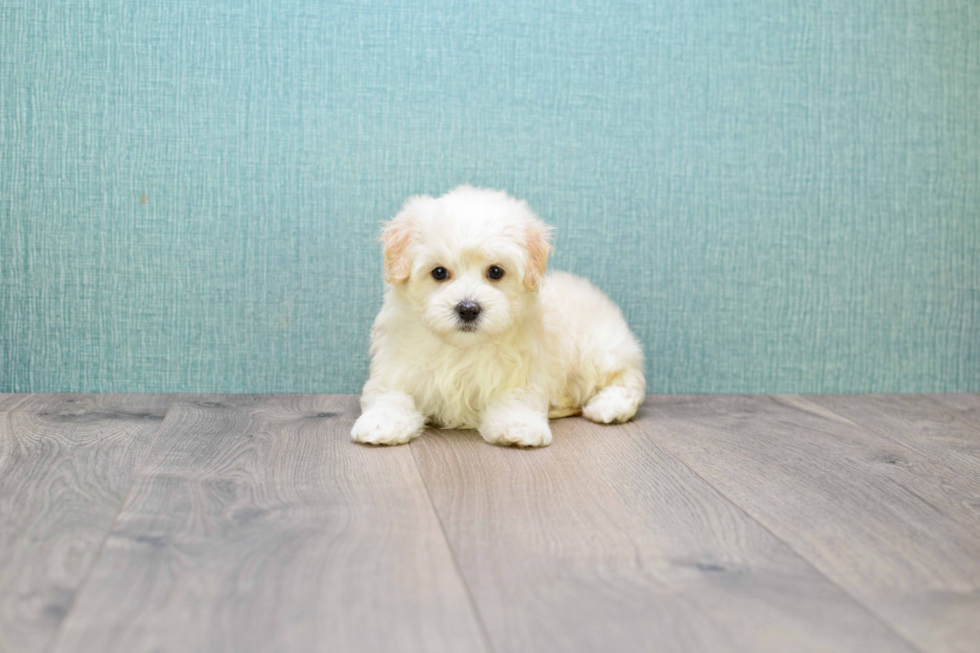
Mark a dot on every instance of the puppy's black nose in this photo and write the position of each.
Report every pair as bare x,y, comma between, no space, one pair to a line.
468,311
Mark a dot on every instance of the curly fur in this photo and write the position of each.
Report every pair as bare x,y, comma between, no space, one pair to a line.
542,346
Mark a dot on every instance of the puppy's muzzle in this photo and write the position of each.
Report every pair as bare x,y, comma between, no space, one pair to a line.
468,311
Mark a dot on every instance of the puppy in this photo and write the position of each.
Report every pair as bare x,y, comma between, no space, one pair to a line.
473,335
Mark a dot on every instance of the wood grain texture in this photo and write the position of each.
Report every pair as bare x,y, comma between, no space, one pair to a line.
925,423
257,525
66,463
891,526
9,400
968,403
604,542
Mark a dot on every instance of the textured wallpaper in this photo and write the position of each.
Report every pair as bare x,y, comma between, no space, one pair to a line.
784,196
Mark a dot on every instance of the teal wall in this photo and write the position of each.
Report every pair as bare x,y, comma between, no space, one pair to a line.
784,196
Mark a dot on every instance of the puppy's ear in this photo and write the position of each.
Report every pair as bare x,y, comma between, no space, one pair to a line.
396,236
538,245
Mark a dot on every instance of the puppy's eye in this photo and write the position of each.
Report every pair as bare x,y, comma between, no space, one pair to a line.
440,274
495,272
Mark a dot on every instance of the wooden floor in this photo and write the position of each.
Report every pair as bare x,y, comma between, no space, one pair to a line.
710,523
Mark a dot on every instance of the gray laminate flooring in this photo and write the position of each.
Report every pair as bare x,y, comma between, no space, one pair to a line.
709,523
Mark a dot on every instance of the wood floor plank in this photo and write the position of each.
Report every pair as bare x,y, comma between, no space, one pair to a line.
966,403
257,525
604,542
9,400
66,463
881,520
925,423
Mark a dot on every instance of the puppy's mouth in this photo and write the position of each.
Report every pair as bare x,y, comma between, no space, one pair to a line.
466,328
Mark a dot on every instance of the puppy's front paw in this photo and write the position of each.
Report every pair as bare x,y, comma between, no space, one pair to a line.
525,431
612,404
387,426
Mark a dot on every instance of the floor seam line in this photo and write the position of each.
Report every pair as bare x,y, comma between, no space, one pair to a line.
899,443
452,554
874,614
59,631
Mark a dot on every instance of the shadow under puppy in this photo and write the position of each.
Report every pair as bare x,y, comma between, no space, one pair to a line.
472,334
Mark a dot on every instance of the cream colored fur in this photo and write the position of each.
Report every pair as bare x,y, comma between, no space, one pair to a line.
541,347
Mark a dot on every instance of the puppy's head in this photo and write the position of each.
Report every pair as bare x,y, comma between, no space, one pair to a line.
469,262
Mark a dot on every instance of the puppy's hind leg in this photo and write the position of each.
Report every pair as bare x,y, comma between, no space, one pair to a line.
618,401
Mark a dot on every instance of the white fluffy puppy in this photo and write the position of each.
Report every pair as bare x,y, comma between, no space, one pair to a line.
473,335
